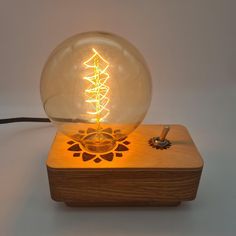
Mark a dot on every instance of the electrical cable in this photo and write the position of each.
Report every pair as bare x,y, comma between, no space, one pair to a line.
23,119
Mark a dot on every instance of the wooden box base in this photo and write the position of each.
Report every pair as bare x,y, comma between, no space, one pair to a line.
133,174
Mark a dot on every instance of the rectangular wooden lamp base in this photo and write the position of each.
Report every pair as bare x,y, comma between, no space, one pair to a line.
133,174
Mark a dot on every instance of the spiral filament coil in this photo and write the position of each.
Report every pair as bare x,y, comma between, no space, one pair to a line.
98,89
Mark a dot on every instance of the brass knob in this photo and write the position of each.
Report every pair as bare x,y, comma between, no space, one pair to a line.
164,133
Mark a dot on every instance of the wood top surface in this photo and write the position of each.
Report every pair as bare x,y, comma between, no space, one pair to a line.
182,155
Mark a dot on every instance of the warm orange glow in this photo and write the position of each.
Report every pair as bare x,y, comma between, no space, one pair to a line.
98,90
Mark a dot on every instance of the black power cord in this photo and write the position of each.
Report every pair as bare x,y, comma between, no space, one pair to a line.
23,119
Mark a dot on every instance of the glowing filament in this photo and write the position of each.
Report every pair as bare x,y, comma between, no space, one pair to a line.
97,90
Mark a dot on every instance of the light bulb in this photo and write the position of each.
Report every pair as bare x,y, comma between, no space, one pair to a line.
96,89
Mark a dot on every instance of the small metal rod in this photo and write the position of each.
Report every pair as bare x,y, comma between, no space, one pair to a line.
164,133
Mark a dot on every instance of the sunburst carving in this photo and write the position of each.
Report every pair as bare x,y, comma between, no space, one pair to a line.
79,152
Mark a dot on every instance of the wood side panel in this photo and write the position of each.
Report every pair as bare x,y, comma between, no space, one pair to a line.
123,187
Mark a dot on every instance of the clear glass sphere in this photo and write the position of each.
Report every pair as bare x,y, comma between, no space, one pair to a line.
96,89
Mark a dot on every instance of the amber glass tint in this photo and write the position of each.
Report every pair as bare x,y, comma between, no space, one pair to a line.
96,88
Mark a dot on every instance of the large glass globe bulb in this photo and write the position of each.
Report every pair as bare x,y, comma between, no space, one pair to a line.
96,89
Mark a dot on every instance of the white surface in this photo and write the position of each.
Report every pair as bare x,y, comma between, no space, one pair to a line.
190,48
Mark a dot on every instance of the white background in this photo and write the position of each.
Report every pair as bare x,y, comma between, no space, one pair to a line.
190,49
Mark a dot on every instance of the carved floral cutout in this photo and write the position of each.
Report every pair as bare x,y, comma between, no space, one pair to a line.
118,150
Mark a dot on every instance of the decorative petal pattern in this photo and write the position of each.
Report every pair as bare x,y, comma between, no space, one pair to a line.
87,156
71,142
97,158
90,130
108,156
77,154
107,130
75,148
121,148
126,142
118,154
